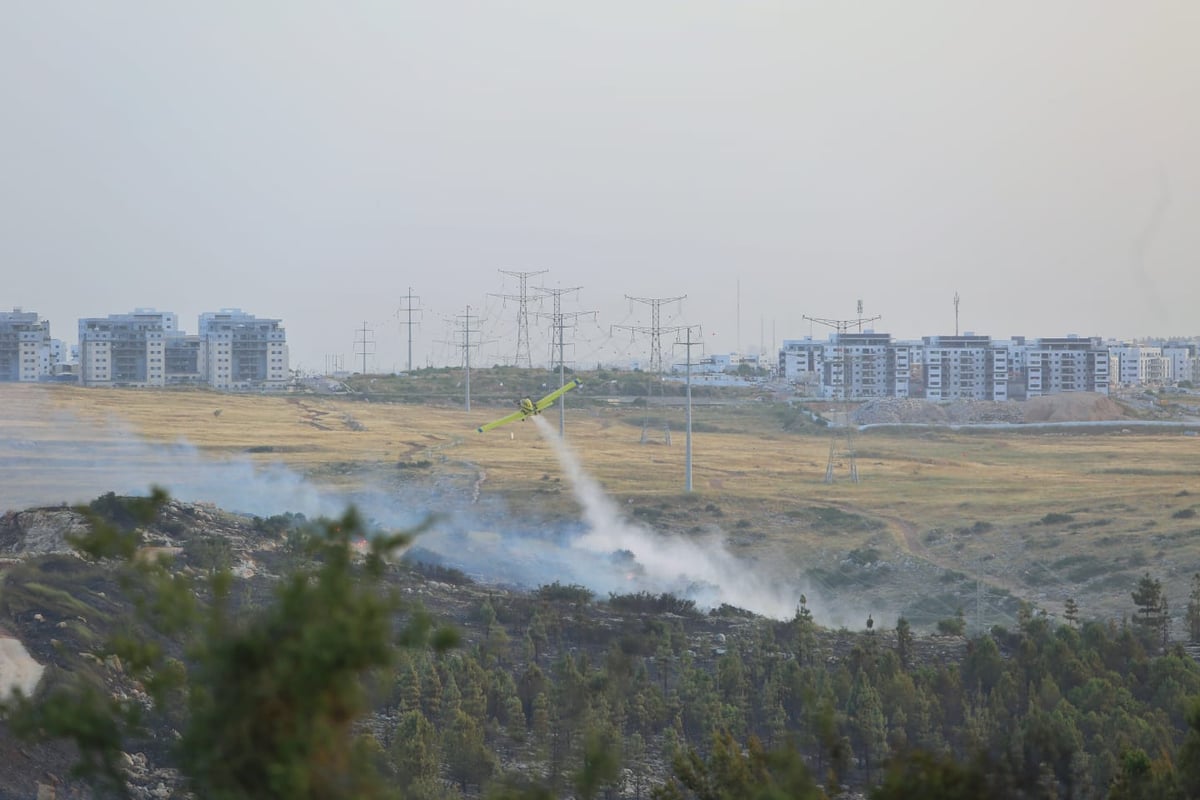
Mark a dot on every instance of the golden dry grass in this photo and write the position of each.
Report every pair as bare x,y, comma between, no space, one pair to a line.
1128,494
932,479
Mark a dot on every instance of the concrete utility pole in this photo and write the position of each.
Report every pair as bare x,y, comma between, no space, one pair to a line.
523,357
689,342
559,325
365,345
409,309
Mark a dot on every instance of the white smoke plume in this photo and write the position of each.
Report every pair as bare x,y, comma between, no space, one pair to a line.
702,569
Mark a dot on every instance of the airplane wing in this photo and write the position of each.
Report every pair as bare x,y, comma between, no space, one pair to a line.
549,399
513,417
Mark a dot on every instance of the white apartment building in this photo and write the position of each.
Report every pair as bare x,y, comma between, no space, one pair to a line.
239,351
848,365
800,358
1137,365
965,367
125,349
233,350
716,363
24,346
1066,364
1183,361
182,355
865,365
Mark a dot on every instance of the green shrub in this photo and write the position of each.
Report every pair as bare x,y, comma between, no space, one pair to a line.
650,603
564,593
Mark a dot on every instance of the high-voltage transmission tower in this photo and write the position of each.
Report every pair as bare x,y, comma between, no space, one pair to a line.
409,309
655,328
364,345
956,313
558,321
841,368
523,357
466,344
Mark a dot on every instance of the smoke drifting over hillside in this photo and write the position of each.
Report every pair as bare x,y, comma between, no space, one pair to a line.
64,460
52,458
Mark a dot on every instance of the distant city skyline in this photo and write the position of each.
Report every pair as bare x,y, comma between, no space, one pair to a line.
603,347
311,162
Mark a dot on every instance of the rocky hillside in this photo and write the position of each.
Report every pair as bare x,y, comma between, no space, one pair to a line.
61,609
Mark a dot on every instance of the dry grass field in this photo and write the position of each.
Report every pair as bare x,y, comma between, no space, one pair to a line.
940,520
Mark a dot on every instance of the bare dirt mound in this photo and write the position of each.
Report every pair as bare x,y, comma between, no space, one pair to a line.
1073,407
906,410
1065,407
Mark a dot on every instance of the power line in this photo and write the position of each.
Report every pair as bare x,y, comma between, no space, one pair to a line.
523,356
466,346
366,343
655,328
558,322
409,309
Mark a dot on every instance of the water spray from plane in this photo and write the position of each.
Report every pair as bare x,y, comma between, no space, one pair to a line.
702,569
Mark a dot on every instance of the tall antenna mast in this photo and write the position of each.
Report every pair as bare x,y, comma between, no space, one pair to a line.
956,313
409,309
364,345
523,357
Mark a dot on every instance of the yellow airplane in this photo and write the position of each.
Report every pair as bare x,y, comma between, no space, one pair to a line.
529,407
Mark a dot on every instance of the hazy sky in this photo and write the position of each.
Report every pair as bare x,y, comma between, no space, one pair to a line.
311,161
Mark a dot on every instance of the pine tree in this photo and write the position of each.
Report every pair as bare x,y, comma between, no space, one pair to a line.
1151,603
904,642
271,693
467,759
1071,612
1193,610
415,749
